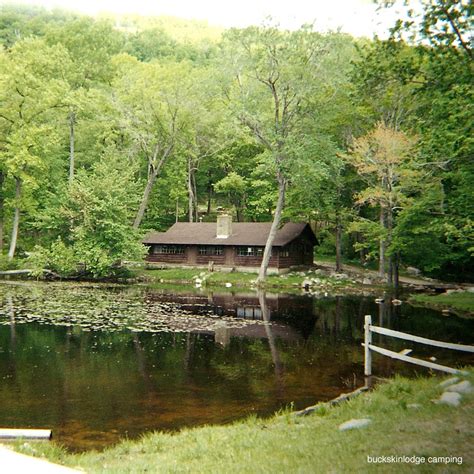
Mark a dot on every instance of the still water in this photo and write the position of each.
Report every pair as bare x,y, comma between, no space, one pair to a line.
99,363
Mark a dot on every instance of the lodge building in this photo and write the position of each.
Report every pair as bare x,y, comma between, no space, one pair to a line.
231,245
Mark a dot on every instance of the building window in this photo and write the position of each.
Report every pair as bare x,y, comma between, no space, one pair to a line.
168,249
250,251
284,252
211,250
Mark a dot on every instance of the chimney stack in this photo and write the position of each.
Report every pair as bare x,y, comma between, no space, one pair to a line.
224,226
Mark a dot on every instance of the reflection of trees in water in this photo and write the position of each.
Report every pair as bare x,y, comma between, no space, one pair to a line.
12,349
102,379
339,318
271,342
11,313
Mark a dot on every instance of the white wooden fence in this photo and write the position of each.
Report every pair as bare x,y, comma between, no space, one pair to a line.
369,329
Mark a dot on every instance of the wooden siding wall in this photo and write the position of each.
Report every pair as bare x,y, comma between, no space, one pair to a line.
167,258
255,261
300,253
205,259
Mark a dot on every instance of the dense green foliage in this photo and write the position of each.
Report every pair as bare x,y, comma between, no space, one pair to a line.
112,127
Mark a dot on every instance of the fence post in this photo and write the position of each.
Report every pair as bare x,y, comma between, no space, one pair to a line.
367,341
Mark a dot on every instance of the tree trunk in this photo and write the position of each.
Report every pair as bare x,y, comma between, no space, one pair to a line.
338,243
388,243
16,219
209,194
2,200
358,239
72,122
382,245
273,230
396,274
238,212
145,199
152,175
390,271
195,195
190,193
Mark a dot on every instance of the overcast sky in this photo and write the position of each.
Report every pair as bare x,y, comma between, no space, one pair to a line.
358,17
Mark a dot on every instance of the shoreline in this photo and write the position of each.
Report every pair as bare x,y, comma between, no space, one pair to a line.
402,417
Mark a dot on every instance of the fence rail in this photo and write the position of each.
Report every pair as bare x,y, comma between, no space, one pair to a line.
369,348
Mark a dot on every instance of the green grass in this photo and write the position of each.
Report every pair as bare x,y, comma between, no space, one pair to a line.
169,274
287,443
455,301
287,281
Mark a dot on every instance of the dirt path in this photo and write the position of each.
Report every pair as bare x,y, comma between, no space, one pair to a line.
16,463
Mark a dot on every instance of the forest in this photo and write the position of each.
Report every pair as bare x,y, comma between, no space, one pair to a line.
114,126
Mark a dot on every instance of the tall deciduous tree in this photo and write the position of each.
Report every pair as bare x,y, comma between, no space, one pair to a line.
91,45
32,88
279,76
383,157
153,99
440,38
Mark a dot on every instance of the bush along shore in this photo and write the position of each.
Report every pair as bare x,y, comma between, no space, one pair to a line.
427,422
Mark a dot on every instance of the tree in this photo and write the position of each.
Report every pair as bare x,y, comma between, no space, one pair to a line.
96,211
91,44
152,100
440,75
234,186
150,44
32,88
2,208
383,158
279,76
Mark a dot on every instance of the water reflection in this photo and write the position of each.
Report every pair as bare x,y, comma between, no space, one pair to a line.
121,361
265,312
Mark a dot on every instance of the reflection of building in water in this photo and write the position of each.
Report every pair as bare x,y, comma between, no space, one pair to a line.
240,305
283,311
249,312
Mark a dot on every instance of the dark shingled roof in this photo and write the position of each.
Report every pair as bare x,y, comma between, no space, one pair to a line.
243,233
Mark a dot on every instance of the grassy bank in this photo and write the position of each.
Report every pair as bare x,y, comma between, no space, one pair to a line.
293,280
455,302
404,422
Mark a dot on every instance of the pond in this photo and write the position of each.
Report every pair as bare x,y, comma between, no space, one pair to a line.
98,363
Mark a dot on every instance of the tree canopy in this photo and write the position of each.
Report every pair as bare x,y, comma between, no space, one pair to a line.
112,127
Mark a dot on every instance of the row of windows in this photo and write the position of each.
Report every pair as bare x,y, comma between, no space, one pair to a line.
211,250
250,251
214,250
180,249
169,249
258,252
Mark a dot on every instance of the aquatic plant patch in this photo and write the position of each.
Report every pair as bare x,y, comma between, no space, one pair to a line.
105,308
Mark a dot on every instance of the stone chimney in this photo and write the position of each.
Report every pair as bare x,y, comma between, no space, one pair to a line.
224,226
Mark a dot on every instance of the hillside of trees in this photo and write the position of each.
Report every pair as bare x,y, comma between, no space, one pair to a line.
111,127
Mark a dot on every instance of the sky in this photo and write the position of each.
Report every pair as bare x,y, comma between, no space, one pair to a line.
357,17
